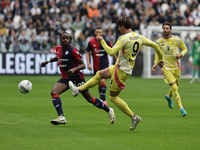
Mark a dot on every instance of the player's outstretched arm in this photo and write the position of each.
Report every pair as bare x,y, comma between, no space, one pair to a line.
111,51
44,63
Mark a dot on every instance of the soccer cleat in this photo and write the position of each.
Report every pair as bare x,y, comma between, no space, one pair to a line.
74,89
105,103
112,116
192,81
135,120
170,104
59,120
183,112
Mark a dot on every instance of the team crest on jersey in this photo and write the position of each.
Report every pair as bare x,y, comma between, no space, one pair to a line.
66,52
94,45
168,48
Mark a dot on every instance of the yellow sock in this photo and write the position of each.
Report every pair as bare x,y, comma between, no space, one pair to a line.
170,92
92,82
122,106
176,95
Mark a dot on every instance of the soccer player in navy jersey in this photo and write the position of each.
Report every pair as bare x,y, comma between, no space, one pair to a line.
70,63
100,60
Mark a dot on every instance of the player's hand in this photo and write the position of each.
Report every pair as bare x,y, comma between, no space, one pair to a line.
43,64
70,72
90,67
161,64
178,56
99,38
154,67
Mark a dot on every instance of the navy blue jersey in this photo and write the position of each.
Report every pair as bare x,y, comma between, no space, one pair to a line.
99,55
67,59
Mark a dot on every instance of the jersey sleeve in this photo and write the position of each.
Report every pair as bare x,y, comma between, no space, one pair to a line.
155,46
112,51
76,54
182,46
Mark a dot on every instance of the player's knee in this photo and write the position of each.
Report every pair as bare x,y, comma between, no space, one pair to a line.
54,92
174,87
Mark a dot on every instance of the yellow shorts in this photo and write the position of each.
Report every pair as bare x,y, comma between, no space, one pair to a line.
171,76
118,78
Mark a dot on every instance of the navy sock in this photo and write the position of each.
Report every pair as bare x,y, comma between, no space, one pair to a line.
57,104
98,103
102,92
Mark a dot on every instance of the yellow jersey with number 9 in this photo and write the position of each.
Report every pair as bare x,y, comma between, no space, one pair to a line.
128,46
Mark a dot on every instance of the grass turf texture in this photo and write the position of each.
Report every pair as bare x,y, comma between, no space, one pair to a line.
25,118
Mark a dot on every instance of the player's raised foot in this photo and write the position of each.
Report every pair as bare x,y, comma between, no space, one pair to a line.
135,120
112,116
74,89
192,81
183,112
170,104
59,120
105,103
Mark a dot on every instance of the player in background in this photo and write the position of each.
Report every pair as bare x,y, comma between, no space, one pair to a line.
128,45
195,59
169,45
100,60
70,63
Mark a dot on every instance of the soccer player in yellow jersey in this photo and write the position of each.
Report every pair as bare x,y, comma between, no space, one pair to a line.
169,45
128,46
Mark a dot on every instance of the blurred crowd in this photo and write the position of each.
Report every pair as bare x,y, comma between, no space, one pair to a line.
35,25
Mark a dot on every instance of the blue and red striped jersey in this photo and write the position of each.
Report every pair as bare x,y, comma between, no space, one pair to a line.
99,55
67,59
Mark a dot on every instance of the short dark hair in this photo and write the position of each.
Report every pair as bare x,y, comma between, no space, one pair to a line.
126,21
167,23
66,33
98,28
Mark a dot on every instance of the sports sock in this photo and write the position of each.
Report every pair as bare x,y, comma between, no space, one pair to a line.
176,95
170,92
193,73
98,103
57,104
92,82
122,105
102,91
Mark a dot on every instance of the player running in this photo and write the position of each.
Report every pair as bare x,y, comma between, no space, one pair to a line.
128,46
70,63
169,45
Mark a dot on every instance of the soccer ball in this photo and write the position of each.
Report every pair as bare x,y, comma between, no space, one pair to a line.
25,86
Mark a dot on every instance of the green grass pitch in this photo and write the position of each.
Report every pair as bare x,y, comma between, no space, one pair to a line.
25,118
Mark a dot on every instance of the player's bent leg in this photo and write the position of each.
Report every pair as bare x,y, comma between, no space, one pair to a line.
92,82
99,104
122,105
177,99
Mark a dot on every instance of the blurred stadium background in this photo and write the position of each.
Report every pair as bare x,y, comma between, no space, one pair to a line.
29,29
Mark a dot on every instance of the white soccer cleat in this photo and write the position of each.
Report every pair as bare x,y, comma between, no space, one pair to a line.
59,120
112,116
135,120
74,89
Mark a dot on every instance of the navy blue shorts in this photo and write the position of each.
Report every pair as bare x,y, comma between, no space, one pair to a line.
77,82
